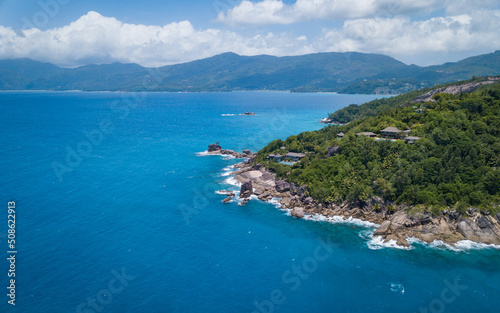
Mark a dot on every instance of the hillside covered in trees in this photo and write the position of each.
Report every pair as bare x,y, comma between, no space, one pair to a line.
348,72
453,163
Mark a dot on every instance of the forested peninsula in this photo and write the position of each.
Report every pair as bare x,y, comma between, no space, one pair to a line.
423,164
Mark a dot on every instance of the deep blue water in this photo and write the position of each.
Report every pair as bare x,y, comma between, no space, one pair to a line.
140,202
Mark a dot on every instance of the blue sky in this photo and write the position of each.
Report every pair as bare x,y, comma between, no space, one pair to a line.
154,33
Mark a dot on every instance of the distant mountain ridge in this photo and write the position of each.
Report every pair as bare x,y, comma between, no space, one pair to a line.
350,72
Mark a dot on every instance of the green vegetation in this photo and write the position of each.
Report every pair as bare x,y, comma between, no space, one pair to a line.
456,163
373,108
349,72
385,86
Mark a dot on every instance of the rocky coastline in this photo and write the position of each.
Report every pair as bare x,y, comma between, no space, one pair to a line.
216,149
395,223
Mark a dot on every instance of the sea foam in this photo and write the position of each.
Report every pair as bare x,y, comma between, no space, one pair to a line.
232,181
339,220
471,245
204,153
226,171
460,246
377,243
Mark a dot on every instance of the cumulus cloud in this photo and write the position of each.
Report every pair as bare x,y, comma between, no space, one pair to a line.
277,12
424,41
94,38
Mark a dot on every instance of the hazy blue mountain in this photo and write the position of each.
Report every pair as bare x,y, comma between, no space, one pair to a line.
481,65
349,72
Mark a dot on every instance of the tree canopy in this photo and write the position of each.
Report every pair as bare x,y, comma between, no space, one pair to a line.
454,164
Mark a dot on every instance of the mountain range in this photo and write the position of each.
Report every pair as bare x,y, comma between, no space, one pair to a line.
349,72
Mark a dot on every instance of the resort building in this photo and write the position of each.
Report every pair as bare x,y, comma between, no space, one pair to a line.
295,156
391,132
277,157
411,139
340,135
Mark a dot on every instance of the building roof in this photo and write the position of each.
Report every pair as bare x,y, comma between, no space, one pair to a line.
271,155
390,129
278,155
366,134
295,155
341,134
412,138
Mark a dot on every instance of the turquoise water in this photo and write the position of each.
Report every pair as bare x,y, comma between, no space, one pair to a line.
117,212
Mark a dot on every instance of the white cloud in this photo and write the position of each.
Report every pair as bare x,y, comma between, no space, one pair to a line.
94,38
425,42
276,12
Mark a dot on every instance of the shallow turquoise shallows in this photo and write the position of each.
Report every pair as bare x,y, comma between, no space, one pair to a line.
117,211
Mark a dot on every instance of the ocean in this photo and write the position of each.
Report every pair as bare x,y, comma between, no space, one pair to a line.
117,211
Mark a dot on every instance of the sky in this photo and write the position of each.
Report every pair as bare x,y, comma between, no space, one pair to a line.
71,33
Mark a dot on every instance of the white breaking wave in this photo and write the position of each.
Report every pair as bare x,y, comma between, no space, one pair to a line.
275,202
228,115
340,220
460,246
204,153
471,245
232,181
226,171
366,234
377,243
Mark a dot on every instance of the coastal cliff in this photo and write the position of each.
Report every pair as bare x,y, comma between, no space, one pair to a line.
398,223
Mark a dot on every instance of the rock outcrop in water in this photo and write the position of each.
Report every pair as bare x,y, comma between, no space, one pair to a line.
216,149
246,189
